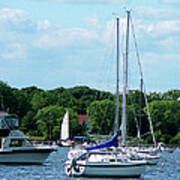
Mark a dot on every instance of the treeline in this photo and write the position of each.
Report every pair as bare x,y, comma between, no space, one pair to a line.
41,112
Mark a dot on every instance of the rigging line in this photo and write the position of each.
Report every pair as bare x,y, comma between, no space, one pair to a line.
141,73
136,120
105,75
111,55
136,47
107,71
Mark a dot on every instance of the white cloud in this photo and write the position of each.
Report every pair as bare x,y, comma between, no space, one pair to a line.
159,29
14,52
168,27
44,25
108,34
16,20
154,34
89,1
20,35
93,21
66,37
176,2
149,12
161,70
18,30
171,44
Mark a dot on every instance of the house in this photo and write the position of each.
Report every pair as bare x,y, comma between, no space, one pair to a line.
82,118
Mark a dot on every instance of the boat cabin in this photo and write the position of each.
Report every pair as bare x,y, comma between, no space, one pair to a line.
8,121
16,139
8,125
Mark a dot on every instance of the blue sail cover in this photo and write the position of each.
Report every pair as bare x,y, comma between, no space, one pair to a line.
110,143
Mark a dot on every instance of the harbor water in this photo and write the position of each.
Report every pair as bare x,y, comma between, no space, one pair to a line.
168,168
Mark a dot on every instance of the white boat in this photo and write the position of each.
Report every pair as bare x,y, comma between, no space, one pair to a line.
151,159
104,164
97,162
64,135
151,155
16,148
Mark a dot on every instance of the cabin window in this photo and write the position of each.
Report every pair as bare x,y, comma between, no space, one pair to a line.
27,142
15,143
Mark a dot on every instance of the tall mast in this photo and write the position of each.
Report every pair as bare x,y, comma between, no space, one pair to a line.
125,83
117,81
140,112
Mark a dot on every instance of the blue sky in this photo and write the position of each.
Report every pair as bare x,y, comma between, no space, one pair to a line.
53,43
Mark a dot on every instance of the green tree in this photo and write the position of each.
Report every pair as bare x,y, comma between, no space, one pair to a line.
101,115
29,124
42,99
132,119
166,119
49,121
171,95
7,98
22,104
66,99
176,139
154,96
136,97
86,96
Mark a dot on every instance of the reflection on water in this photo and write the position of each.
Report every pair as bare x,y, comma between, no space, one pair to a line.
168,168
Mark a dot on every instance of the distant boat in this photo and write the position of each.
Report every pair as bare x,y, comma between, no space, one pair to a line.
64,134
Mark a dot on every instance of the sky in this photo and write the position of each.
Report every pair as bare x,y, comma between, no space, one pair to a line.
67,43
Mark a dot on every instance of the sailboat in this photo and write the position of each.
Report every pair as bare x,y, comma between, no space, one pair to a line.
105,160
136,153
64,134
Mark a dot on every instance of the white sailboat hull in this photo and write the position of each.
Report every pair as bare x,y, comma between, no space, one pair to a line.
66,143
114,170
104,169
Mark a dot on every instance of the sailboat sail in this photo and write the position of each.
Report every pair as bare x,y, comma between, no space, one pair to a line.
65,127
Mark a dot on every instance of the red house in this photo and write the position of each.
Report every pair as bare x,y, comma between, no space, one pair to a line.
82,118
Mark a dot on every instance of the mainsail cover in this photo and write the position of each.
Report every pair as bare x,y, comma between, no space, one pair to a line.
110,143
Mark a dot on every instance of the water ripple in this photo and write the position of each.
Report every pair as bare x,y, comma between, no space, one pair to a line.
168,168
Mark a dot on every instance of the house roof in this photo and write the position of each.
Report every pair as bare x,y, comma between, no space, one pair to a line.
3,114
82,118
